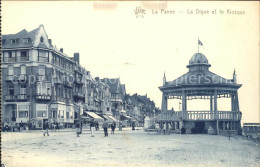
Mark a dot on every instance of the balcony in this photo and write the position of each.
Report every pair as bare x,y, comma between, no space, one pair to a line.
9,98
57,98
78,81
116,100
9,59
23,59
56,81
68,84
9,78
22,97
42,97
79,95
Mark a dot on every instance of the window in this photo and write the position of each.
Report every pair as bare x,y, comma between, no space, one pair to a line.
41,70
24,56
41,39
3,41
67,115
23,89
13,41
10,70
41,110
43,56
23,114
11,89
43,88
26,40
23,69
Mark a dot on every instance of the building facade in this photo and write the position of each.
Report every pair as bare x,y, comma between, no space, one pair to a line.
39,81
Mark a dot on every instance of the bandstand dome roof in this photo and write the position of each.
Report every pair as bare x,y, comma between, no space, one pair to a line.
199,75
197,59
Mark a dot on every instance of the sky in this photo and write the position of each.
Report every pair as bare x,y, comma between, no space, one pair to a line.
114,42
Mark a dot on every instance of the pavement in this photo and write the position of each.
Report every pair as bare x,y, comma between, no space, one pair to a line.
125,148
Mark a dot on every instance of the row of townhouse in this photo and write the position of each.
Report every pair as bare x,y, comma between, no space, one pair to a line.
40,83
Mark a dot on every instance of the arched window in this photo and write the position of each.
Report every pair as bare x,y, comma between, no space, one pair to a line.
10,70
23,69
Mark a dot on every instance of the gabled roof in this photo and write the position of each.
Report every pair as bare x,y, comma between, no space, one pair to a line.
19,36
114,84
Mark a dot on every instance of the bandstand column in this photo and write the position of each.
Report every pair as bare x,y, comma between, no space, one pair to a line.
164,102
183,103
216,108
232,103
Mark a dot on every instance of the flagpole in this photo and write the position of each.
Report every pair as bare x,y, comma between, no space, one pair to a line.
198,46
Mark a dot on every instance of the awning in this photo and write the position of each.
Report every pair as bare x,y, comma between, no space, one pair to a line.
127,117
93,115
113,118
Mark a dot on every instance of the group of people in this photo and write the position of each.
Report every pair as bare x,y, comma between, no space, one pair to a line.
95,126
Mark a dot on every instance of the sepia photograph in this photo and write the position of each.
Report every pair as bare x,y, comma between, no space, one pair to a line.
130,83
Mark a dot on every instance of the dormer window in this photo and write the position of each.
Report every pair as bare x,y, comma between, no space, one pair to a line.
13,41
41,39
26,40
3,41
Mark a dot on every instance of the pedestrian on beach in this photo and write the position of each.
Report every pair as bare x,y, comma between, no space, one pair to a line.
97,126
113,127
33,125
105,126
133,125
77,128
92,127
46,123
164,127
20,126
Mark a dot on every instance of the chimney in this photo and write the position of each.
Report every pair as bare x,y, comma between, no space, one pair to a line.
50,41
97,78
76,57
61,50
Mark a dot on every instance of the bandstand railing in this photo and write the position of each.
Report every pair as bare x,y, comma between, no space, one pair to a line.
197,115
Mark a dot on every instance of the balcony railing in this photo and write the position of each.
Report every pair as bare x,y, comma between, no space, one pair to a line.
78,81
116,100
9,97
43,97
9,77
9,59
79,95
68,84
22,97
22,59
57,98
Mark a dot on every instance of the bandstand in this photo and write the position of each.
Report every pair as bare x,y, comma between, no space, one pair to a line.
200,83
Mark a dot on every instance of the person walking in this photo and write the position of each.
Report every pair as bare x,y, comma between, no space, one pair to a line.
33,125
77,128
46,123
92,127
97,126
133,125
113,127
105,126
21,126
